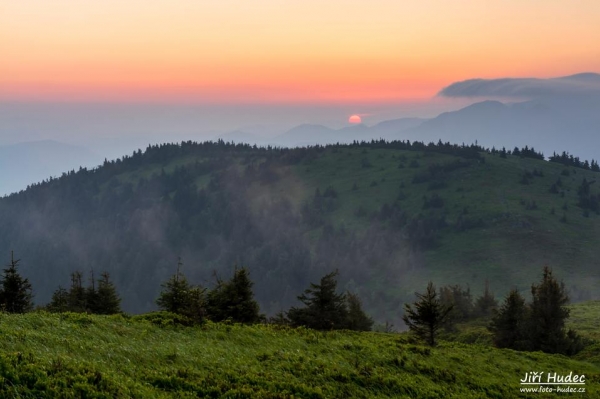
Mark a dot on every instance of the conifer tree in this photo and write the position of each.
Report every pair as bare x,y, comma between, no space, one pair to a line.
461,302
548,315
15,291
178,296
486,303
324,309
77,293
175,294
357,318
196,307
509,323
92,299
233,300
59,301
107,296
427,315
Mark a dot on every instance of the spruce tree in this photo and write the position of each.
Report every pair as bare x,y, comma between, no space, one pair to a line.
324,309
357,318
509,323
196,306
178,296
427,315
233,300
92,299
77,293
15,292
59,301
548,315
108,298
461,302
486,303
175,294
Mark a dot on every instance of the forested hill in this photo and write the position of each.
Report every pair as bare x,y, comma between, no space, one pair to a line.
389,216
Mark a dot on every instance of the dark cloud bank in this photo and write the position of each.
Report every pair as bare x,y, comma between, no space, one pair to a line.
582,84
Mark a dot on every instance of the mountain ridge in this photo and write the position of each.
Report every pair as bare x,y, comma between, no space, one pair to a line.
388,216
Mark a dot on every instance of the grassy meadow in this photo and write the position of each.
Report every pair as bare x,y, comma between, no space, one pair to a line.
84,356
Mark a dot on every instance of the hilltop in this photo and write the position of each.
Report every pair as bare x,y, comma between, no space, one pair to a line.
389,216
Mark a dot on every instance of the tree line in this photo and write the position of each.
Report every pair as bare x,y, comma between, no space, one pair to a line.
515,324
230,300
233,300
538,325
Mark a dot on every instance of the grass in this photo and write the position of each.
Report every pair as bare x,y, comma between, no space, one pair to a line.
77,355
585,318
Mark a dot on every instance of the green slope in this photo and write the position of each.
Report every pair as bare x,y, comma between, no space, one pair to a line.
585,318
75,355
130,217
513,243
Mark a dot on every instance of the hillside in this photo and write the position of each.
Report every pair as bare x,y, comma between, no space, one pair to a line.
389,216
78,355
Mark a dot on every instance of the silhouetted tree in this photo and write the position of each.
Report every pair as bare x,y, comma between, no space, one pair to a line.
107,296
77,293
233,300
92,300
59,301
324,309
461,302
196,307
509,323
174,296
486,303
427,315
357,318
15,291
548,315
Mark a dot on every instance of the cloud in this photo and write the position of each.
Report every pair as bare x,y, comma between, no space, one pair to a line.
580,84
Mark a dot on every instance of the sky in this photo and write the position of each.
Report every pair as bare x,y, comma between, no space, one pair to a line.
108,77
283,52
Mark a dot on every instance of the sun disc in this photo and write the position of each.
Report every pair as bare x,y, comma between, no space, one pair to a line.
354,119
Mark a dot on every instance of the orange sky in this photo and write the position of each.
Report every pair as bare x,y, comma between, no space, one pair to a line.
297,51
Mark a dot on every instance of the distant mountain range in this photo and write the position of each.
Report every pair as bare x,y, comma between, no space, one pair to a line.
561,114
317,134
310,134
549,123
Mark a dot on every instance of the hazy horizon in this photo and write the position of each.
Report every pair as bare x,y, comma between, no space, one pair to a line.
111,77
544,113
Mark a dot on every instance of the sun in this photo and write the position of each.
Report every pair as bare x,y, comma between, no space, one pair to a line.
354,119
